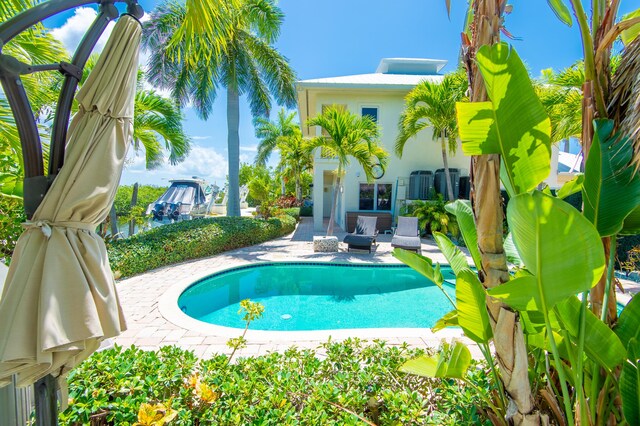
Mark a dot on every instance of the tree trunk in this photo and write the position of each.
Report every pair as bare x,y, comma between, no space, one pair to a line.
298,189
447,174
486,200
134,202
233,148
113,218
334,204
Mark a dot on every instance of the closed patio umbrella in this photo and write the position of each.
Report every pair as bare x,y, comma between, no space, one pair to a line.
59,301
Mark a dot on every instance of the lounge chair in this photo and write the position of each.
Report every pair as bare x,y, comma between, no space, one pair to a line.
406,235
363,237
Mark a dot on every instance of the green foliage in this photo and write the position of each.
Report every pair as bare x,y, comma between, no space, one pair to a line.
464,216
538,223
450,362
353,381
432,216
192,239
11,217
628,253
294,212
611,189
628,329
432,105
513,124
306,211
147,194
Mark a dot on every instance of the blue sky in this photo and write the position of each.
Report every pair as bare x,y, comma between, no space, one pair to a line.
342,37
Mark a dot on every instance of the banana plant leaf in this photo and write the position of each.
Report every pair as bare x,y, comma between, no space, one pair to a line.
571,187
471,304
631,225
463,212
561,10
601,344
449,362
630,384
631,33
456,258
611,188
420,264
549,234
448,320
513,123
628,326
511,251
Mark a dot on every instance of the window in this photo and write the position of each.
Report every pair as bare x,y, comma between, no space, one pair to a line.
375,196
372,112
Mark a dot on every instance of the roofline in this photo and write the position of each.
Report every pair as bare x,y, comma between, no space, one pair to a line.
300,85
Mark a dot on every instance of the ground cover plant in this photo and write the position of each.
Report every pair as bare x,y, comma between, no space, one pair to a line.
355,383
192,239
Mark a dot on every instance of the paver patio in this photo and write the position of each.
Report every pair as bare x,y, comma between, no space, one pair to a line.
150,300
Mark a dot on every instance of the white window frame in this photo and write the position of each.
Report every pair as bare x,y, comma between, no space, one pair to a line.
375,196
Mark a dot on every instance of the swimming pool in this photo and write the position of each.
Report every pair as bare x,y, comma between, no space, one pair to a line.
320,296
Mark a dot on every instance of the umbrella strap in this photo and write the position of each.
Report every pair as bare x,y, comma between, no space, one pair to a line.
45,226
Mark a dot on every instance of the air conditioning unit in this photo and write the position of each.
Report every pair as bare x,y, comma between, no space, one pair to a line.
440,182
420,184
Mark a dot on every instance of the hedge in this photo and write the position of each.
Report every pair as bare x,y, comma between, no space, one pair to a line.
192,239
351,382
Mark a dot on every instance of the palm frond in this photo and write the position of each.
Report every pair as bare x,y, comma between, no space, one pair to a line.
624,106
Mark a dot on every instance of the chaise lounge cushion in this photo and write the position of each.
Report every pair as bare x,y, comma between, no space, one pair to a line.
407,236
364,235
407,243
359,242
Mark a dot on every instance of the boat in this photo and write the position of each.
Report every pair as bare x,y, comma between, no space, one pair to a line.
182,198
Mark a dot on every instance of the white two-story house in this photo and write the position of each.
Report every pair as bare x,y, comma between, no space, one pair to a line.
381,96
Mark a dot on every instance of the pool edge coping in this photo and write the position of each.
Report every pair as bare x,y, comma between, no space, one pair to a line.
169,309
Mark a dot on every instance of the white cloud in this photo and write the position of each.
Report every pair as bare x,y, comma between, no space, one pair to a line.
250,148
72,31
200,138
203,162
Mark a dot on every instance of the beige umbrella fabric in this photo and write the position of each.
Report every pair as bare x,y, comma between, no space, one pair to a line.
59,301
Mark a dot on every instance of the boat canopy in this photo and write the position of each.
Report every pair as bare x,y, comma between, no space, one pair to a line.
183,192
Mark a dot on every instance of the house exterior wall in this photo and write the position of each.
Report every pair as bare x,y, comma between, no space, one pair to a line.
420,153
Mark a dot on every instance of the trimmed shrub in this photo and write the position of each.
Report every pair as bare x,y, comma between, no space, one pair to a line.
192,239
354,381
294,212
306,211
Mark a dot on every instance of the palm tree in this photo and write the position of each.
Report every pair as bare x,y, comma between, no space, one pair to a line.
246,64
296,154
156,119
348,135
433,104
561,96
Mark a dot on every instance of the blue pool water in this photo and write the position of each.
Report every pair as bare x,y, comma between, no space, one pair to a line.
320,296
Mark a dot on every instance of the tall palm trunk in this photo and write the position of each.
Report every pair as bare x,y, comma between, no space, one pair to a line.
233,147
298,188
113,219
334,204
134,202
487,209
447,174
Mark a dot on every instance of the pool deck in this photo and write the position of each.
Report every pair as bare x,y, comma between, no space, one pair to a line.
154,319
